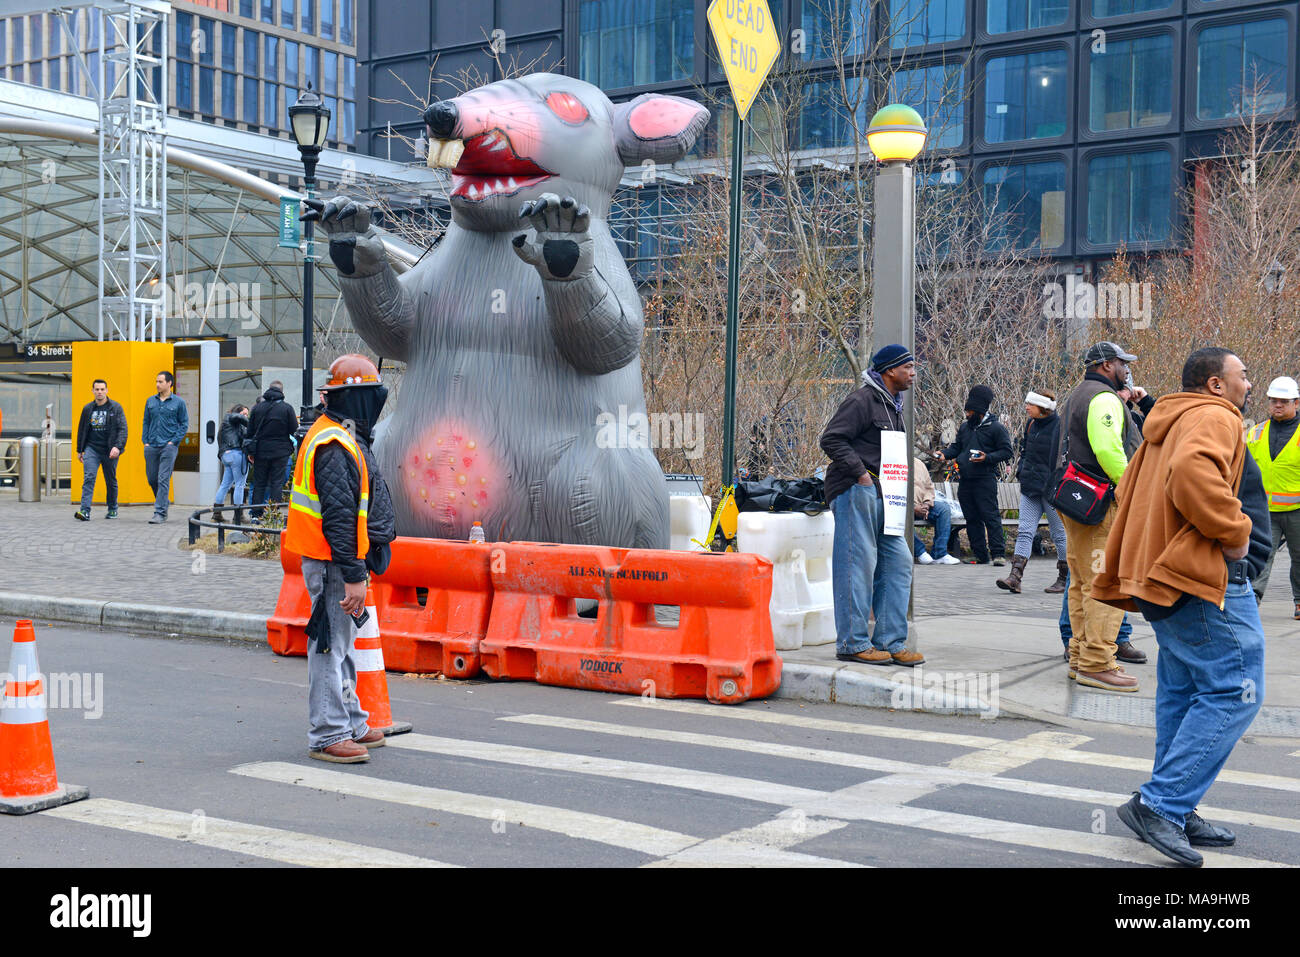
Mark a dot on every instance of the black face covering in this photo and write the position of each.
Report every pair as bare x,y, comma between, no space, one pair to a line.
361,404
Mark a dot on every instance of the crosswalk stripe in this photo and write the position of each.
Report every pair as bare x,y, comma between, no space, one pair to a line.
589,827
906,775
1095,758
762,845
805,721
287,847
747,789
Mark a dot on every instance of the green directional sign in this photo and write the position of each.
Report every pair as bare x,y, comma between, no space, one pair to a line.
290,228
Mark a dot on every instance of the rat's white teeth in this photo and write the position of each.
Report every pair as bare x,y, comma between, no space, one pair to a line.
445,154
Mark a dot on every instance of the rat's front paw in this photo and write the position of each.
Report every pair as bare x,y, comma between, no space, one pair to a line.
355,246
559,245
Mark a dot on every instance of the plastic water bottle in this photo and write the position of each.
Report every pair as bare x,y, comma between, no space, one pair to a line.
476,533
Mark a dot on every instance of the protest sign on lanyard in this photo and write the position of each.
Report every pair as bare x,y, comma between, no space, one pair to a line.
893,480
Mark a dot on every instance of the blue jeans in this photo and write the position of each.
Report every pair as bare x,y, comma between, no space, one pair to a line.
1125,628
334,711
92,462
1209,687
870,571
940,518
159,460
235,475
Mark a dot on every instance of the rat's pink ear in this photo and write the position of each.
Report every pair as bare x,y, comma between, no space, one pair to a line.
657,127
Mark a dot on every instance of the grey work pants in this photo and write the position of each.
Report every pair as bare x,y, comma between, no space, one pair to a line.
333,710
1286,529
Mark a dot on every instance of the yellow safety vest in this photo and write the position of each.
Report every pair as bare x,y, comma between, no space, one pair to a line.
1281,474
304,533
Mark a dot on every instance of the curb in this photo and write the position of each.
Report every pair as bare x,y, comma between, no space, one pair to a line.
128,616
841,684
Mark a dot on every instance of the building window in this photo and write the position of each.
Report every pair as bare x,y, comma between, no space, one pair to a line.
207,79
206,40
1131,84
349,78
268,11
834,29
270,59
1026,97
246,9
54,80
332,104
311,67
938,94
349,134
1011,16
309,16
250,101
16,52
286,13
1241,68
346,14
1130,198
291,64
1026,205
184,86
619,48
229,83
331,61
827,118
1102,9
270,105
915,23
327,19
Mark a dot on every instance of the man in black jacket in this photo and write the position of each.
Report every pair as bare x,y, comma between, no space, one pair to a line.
982,444
101,437
271,427
871,571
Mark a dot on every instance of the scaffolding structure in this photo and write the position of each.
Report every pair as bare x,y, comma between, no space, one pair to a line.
131,94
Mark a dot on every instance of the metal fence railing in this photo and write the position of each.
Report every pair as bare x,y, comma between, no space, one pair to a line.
197,523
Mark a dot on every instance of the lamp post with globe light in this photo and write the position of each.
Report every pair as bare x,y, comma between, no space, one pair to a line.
309,119
896,136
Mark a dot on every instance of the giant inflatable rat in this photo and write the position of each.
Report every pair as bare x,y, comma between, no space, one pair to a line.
523,326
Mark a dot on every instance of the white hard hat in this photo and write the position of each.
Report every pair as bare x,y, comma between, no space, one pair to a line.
1283,387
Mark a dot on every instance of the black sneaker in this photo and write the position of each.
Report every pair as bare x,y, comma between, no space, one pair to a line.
82,515
1201,833
157,519
1165,836
112,513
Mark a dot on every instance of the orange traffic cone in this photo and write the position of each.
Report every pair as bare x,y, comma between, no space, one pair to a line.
372,681
28,781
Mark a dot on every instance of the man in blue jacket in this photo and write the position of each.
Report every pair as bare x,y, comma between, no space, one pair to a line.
166,421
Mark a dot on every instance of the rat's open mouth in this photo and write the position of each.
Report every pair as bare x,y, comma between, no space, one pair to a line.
490,167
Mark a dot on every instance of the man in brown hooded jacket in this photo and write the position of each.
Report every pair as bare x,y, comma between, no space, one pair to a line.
1190,531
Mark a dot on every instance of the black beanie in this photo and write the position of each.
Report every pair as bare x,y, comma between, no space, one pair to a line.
979,400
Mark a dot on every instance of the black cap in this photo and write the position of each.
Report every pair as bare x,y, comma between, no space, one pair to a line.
1103,351
979,399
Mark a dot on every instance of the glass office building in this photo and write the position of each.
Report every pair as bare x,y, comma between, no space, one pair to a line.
1081,120
234,63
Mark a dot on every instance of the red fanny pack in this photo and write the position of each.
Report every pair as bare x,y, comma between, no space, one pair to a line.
1083,496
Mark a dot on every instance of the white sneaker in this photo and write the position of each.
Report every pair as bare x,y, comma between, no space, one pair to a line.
947,560
925,559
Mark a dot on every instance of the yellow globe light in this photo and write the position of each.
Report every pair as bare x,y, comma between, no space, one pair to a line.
896,133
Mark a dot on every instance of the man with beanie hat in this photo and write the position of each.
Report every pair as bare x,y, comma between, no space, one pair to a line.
981,445
871,571
1099,434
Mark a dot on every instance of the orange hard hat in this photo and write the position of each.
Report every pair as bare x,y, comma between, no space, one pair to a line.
350,370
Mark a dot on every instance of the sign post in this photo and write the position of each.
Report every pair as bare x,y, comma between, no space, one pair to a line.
747,46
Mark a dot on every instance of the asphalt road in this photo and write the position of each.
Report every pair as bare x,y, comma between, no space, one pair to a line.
199,759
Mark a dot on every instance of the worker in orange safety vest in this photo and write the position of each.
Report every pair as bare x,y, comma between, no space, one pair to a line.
340,521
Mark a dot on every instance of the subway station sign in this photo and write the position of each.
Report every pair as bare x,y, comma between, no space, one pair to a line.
747,45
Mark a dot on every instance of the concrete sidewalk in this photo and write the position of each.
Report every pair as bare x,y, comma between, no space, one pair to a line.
988,652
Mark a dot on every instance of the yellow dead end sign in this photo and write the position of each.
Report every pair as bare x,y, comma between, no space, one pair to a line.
747,45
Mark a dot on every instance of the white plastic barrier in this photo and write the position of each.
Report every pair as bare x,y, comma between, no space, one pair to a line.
799,548
690,517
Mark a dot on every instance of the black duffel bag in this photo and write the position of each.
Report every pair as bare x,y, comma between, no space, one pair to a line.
807,495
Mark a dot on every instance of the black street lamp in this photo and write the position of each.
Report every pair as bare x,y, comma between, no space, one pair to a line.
309,119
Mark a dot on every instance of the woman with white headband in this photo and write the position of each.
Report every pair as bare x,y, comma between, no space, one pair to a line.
1035,476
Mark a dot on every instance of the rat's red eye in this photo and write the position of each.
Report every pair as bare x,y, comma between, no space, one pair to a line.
567,107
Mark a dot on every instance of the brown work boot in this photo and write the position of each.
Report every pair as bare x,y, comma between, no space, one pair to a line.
1113,680
1012,582
869,656
908,659
342,752
1058,586
1296,616
374,738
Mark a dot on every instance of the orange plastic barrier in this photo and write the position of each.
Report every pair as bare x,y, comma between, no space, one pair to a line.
28,780
286,629
443,634
721,649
